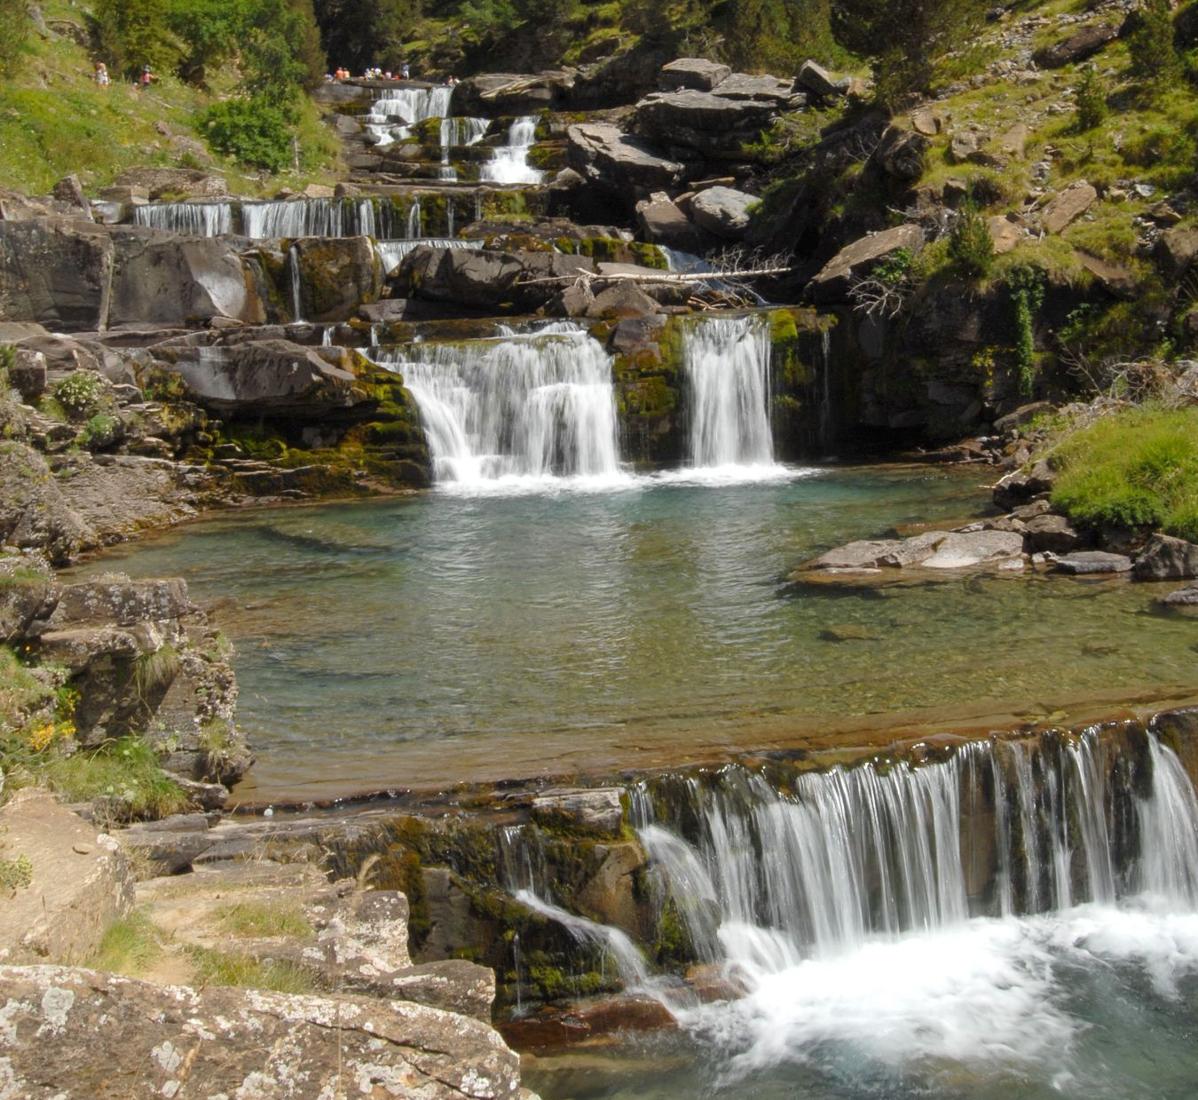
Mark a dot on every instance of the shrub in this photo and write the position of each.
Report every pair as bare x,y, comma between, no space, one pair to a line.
1138,468
1026,286
970,246
1090,101
79,394
252,131
1154,59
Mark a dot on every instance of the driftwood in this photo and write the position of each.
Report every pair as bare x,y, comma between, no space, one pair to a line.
650,276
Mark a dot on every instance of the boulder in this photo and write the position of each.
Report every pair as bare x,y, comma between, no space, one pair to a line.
621,300
1181,598
265,377
168,280
662,222
1077,47
28,374
28,591
900,154
489,95
723,211
55,272
969,549
1167,559
1020,486
1050,533
713,124
622,165
80,884
1005,234
337,275
70,190
1087,562
82,1033
816,79
1115,280
594,810
1177,248
926,121
34,513
692,72
768,91
1064,209
857,259
478,279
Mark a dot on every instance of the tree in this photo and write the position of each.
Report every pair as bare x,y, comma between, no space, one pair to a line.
907,41
359,33
1090,100
211,32
776,34
1154,59
14,30
133,33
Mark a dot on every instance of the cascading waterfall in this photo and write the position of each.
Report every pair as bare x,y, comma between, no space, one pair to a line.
728,369
195,219
415,223
392,253
509,164
459,133
523,405
297,285
397,109
343,217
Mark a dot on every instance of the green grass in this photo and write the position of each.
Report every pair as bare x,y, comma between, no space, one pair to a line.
130,946
127,768
232,968
254,918
20,692
1138,468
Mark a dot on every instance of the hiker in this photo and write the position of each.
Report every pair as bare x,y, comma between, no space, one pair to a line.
102,74
146,79
405,71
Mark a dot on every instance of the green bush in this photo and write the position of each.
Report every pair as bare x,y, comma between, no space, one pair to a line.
79,394
1090,101
252,131
14,30
1135,469
1154,60
1026,286
970,246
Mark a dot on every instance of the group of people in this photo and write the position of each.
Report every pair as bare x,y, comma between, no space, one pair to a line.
144,79
342,73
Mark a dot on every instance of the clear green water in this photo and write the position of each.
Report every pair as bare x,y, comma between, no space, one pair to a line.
444,637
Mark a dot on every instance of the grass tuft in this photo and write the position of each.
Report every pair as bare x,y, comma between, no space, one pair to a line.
130,946
233,968
254,918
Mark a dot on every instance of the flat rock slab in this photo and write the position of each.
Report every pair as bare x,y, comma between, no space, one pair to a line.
1087,562
77,1033
80,883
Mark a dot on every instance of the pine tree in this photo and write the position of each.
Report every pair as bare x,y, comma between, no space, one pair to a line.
1154,59
133,33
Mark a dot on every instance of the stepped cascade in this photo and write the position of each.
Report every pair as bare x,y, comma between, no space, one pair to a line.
459,133
509,165
396,110
728,371
528,405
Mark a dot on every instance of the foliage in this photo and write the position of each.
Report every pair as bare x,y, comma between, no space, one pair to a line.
133,33
254,918
14,30
252,131
1138,468
1090,100
231,968
1025,283
126,769
78,394
1154,59
15,874
357,33
99,432
970,246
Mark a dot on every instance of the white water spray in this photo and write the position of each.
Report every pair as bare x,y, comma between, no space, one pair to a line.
509,164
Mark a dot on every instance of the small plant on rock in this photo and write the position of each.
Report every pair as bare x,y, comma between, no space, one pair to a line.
970,246
1090,101
79,394
1026,286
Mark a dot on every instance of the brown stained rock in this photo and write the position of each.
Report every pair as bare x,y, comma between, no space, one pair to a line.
858,258
81,1033
1004,233
1063,210
927,122
1115,280
1177,248
81,882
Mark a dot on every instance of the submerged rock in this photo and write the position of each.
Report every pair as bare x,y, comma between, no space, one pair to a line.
1086,562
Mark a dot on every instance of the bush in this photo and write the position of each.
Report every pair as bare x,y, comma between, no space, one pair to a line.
79,394
252,131
1154,59
1135,469
14,29
970,246
1026,286
1090,101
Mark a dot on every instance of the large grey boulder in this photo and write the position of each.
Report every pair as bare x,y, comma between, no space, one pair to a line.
169,280
900,153
623,165
692,72
833,280
817,80
1090,562
491,95
476,279
34,513
266,377
723,211
969,549
56,272
81,1033
337,275
1167,559
662,222
712,124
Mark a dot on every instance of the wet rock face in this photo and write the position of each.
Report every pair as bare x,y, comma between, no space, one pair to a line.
55,272
179,1041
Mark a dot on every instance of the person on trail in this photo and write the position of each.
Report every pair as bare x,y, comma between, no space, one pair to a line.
146,78
102,74
406,71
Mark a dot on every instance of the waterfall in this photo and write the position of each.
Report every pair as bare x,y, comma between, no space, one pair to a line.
825,377
529,405
392,253
457,133
1169,863
509,164
415,228
728,368
397,109
297,285
195,219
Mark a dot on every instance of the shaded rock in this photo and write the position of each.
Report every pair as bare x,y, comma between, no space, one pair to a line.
28,374
167,851
622,299
494,94
1068,206
1051,533
238,1042
81,882
1077,47
595,810
70,190
1021,486
692,72
709,122
337,275
475,278
1085,562
58,273
900,154
606,156
267,376
34,514
817,80
662,222
1167,559
1177,248
723,211
1115,280
857,259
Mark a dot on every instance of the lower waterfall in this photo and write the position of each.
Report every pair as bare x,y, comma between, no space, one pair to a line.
521,406
727,363
509,164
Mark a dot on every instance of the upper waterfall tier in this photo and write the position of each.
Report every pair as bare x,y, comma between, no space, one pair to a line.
728,372
397,109
522,405
510,162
